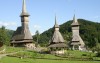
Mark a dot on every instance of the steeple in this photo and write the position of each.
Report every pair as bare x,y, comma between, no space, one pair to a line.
74,19
75,22
24,11
57,39
56,25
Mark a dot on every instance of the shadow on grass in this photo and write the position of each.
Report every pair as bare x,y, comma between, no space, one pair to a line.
66,59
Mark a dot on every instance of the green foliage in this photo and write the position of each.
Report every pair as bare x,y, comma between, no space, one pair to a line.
89,31
97,49
37,36
5,35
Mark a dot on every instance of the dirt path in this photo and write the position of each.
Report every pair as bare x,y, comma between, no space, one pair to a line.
3,55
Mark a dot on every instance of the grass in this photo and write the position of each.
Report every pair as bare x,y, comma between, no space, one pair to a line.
79,54
27,60
9,49
12,49
43,58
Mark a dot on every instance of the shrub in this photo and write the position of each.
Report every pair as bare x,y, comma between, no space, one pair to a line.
98,54
84,54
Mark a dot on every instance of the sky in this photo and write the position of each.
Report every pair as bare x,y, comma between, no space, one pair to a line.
42,12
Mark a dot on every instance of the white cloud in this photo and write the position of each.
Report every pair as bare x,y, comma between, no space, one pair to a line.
37,27
6,24
32,34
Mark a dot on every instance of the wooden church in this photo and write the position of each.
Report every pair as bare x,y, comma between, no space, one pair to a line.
22,36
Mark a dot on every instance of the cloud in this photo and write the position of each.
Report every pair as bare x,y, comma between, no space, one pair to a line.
37,27
32,33
6,24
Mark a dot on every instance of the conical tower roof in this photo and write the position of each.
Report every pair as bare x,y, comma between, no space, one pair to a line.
57,37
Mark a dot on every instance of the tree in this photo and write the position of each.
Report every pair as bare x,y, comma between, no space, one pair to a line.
3,36
37,37
97,48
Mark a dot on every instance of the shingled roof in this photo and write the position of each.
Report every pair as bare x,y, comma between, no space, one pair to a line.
77,41
21,34
58,45
75,38
57,39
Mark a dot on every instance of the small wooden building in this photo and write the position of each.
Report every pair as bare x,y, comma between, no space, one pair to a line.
57,43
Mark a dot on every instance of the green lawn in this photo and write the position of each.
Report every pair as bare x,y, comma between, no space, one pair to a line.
34,57
77,53
9,49
19,60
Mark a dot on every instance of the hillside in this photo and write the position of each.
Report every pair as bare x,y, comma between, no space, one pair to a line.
89,31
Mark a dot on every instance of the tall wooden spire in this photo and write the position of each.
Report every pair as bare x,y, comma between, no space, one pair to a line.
24,11
56,25
75,22
74,19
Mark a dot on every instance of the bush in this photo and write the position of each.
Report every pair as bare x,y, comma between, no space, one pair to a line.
98,54
84,54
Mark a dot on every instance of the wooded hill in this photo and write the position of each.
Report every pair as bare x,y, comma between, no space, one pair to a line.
89,31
